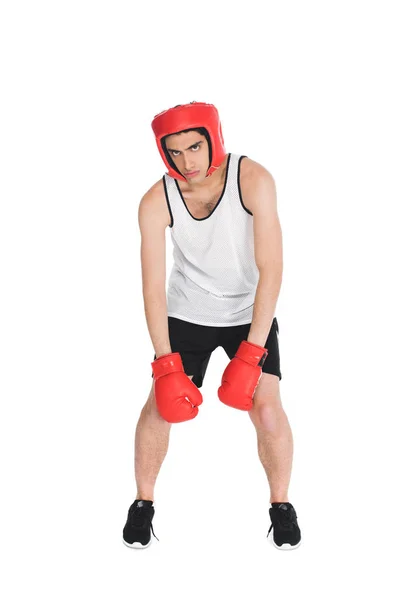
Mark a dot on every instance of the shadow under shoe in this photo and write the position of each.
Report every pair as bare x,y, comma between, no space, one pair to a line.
286,532
138,527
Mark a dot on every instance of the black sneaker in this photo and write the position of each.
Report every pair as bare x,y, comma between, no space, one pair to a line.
136,533
286,534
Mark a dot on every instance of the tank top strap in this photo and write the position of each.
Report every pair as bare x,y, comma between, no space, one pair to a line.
233,182
233,169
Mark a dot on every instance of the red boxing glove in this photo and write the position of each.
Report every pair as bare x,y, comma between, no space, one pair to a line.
241,376
177,397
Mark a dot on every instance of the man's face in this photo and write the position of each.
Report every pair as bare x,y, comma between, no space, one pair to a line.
189,152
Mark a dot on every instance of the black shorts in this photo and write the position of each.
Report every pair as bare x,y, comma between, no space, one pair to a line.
196,343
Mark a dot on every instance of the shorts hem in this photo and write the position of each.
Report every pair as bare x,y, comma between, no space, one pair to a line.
279,375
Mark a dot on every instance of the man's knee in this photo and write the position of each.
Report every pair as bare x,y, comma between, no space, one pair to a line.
267,406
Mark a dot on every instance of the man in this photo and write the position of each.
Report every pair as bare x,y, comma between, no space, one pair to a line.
222,291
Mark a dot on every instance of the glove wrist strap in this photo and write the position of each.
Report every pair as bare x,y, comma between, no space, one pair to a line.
252,353
168,363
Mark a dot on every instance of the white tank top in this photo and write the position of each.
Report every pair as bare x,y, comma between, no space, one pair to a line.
214,277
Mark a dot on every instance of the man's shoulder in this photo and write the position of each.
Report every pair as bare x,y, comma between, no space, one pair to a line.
156,191
252,173
154,202
252,168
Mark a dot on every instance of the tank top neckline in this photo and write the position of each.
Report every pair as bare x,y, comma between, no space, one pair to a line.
220,198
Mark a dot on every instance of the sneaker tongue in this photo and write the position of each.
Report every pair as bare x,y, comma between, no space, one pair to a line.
283,505
143,502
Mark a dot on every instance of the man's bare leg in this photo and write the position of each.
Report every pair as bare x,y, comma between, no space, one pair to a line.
151,446
274,436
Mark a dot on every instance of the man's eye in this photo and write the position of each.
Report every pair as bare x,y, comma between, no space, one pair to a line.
195,146
175,152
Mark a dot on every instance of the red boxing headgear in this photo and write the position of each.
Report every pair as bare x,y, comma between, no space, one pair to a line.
190,116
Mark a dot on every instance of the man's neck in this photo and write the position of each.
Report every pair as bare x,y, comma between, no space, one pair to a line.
213,181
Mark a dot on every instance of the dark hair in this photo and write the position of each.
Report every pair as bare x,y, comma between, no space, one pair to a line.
201,130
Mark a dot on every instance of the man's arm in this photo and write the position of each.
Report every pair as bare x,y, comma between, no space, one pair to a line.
152,223
268,253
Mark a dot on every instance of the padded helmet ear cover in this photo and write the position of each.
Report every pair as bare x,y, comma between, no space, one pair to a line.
190,116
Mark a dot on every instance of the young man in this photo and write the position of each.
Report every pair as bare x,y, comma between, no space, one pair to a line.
223,288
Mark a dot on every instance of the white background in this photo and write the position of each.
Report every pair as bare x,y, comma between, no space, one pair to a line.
311,91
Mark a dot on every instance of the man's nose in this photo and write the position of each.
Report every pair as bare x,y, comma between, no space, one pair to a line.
188,162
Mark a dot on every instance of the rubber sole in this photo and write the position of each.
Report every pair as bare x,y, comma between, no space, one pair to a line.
285,546
137,545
